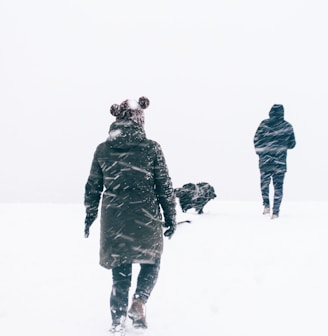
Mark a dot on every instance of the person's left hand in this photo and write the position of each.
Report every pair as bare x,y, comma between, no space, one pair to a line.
89,219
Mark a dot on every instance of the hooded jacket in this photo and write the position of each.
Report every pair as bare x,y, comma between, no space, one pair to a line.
272,139
130,173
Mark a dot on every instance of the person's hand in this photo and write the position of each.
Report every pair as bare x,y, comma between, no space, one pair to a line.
171,225
89,219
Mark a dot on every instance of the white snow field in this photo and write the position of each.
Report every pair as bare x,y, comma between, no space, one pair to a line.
231,272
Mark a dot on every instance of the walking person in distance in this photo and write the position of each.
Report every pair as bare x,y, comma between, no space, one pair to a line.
130,174
273,137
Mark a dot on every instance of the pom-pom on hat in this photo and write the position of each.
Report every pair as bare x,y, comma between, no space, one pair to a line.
130,110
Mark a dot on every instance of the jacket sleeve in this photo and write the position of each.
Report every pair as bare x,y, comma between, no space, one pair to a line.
291,140
164,189
259,138
93,187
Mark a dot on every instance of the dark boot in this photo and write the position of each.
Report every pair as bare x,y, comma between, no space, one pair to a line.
118,327
137,313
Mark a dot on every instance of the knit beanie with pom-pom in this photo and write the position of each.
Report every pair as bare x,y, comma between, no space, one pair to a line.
130,110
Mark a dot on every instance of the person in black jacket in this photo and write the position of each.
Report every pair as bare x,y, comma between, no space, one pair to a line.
129,173
272,139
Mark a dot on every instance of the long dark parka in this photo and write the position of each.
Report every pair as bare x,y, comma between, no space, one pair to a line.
272,139
130,173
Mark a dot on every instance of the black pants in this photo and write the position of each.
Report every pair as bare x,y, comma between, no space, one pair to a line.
278,184
122,276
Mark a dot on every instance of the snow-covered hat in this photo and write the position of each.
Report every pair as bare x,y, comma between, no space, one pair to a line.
131,110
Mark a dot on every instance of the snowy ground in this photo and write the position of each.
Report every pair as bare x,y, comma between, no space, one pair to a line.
231,272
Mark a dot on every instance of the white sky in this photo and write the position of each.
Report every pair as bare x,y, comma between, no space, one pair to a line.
211,69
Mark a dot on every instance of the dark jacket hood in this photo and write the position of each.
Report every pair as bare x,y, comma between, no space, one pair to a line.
124,134
277,112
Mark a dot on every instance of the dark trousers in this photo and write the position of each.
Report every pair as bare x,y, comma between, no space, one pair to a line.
278,184
122,276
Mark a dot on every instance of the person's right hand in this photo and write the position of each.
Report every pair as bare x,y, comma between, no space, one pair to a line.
171,225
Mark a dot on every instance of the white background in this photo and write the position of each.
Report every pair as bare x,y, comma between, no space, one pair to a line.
211,69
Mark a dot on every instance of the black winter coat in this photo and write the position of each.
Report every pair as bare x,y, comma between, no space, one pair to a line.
130,173
272,139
